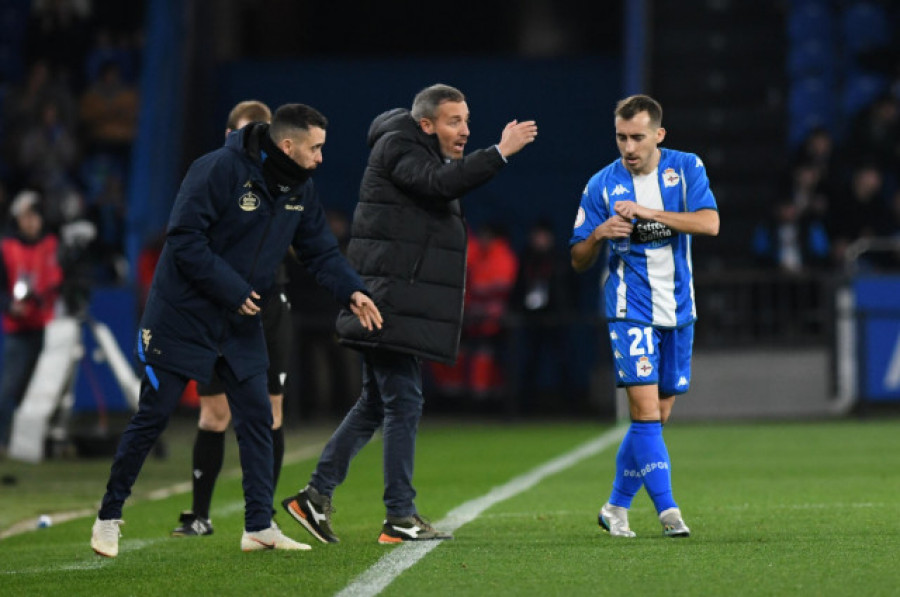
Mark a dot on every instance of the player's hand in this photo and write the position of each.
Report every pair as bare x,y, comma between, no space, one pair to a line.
364,308
515,136
631,210
249,307
615,227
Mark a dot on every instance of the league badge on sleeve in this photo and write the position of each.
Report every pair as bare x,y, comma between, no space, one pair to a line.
579,218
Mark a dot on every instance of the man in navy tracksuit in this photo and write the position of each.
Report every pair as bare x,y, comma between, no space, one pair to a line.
238,210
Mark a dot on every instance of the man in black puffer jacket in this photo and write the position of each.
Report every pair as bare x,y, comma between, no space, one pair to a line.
408,242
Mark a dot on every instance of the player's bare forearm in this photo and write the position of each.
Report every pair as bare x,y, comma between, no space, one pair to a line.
584,254
703,222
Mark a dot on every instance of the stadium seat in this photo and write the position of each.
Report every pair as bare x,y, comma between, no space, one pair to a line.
810,19
864,25
812,56
860,89
810,104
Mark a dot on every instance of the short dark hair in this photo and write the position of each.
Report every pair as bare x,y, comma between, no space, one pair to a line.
252,110
633,105
290,117
426,102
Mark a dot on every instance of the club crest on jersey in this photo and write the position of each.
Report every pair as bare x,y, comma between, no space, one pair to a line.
644,367
249,201
670,177
579,217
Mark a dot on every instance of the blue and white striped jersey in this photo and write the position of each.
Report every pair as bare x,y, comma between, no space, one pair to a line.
653,283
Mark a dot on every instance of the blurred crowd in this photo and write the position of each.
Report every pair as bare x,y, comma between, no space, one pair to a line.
836,193
842,183
68,118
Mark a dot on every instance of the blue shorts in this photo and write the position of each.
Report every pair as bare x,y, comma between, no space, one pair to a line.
644,355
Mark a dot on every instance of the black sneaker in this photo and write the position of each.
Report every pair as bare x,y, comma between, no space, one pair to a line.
192,526
312,510
410,528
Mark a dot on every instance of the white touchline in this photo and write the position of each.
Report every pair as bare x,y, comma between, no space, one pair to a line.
384,571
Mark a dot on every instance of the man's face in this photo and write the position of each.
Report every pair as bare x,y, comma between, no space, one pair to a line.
305,148
30,223
637,139
451,125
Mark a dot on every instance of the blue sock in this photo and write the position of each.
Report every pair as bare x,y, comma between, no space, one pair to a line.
652,459
628,478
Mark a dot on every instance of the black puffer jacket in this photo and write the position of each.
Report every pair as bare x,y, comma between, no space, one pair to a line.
408,239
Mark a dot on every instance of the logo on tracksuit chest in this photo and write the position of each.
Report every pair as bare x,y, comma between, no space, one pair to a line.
249,201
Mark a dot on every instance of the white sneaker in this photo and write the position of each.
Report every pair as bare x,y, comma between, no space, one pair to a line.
673,524
105,537
270,538
614,520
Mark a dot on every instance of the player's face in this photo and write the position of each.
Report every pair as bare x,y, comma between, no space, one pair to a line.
451,125
637,139
305,148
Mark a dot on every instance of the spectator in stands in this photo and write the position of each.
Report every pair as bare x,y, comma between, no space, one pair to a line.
874,137
795,235
59,32
542,298
793,240
818,153
107,212
48,157
861,212
30,278
492,267
22,107
109,112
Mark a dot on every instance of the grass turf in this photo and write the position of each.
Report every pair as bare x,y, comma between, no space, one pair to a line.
775,509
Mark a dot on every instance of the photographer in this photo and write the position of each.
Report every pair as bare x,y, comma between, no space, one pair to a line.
30,277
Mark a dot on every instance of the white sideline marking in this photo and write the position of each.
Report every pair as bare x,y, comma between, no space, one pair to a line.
30,524
390,566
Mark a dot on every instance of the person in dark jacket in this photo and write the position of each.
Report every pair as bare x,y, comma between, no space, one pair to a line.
408,242
238,210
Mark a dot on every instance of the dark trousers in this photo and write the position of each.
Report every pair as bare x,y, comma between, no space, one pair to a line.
20,355
251,413
391,397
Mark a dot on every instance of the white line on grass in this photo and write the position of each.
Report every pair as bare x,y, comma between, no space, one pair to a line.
384,571
30,524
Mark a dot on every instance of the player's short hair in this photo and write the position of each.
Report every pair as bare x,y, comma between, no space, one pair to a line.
426,102
633,105
290,117
251,110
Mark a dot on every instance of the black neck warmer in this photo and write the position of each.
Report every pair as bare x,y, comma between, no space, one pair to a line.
280,172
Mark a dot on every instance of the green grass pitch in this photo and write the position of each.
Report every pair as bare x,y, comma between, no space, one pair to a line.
774,508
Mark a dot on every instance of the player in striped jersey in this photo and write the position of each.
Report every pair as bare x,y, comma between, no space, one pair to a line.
647,205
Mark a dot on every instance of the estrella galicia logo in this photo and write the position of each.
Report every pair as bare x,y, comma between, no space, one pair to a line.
249,201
